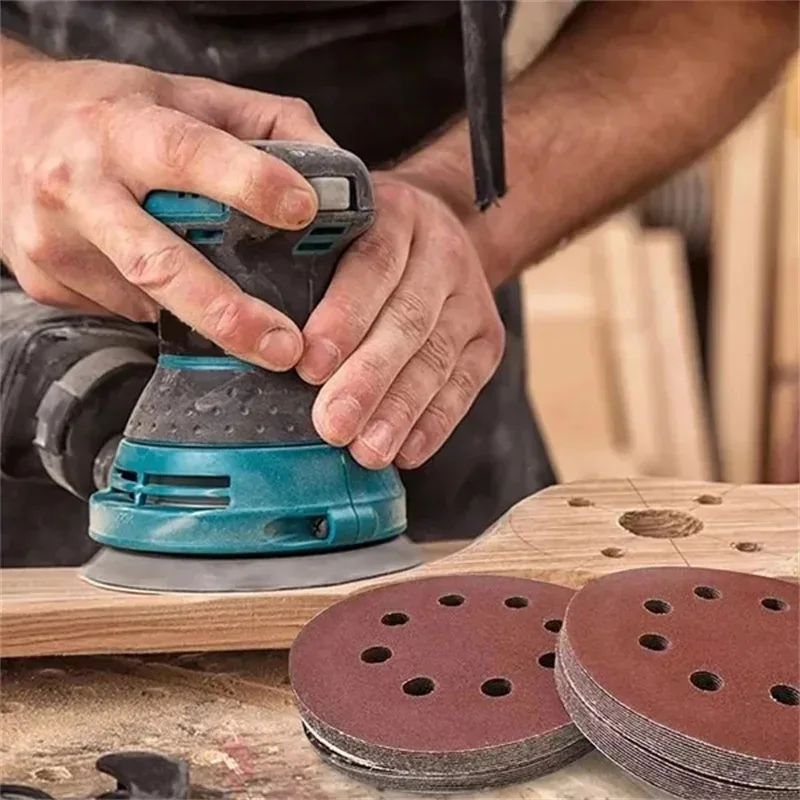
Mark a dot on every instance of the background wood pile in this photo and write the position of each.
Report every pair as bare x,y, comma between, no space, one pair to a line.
615,368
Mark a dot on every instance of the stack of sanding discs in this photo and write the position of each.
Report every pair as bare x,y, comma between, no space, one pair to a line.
437,685
689,679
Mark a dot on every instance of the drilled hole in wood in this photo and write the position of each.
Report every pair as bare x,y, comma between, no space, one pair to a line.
553,625
774,604
653,641
706,681
580,502
709,500
746,547
785,695
376,655
612,552
496,687
707,592
661,523
451,600
394,618
419,687
655,606
547,660
515,602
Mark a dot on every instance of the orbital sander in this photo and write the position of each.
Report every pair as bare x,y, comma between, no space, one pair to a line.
220,482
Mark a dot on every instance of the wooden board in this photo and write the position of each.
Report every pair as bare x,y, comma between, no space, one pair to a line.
686,435
569,361
742,270
565,534
784,407
629,302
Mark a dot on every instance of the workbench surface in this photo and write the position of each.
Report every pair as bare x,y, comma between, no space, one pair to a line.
230,715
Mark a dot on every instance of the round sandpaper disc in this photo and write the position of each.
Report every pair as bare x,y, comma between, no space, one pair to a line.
700,666
436,676
651,768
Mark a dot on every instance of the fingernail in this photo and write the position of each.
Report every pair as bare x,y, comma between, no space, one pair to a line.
280,348
319,360
411,449
343,415
297,207
378,437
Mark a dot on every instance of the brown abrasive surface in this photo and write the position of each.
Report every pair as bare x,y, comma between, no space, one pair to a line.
681,750
447,634
741,628
651,768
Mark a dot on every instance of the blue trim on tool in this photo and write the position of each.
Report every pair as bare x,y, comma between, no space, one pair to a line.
172,361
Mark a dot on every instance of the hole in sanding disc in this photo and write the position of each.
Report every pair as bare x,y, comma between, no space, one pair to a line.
376,655
707,592
774,604
547,660
516,602
418,687
652,641
451,600
496,687
553,625
655,606
395,618
661,523
706,681
786,695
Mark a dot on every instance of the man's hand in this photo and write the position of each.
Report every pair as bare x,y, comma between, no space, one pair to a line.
407,334
83,144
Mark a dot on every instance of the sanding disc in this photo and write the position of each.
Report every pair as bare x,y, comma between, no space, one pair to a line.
126,570
438,684
689,678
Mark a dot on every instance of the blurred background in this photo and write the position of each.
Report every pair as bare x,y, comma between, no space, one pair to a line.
666,341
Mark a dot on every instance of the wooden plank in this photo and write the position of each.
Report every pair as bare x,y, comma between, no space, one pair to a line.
565,534
632,342
568,358
687,442
743,259
783,457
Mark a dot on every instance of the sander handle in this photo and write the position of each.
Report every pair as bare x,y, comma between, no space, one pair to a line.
290,270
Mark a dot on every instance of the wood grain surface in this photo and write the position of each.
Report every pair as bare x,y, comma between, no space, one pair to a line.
566,534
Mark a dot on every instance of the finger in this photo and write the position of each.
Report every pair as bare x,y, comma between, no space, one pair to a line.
416,386
161,148
248,114
177,277
403,326
39,286
67,260
365,278
87,273
448,408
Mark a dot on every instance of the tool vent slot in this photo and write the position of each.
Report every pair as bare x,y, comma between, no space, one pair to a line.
190,481
185,501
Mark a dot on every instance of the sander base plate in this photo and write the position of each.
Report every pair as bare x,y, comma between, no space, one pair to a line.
128,570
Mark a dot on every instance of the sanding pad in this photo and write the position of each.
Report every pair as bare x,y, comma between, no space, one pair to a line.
442,684
689,679
127,570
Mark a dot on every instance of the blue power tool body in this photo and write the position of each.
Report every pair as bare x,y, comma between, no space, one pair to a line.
220,468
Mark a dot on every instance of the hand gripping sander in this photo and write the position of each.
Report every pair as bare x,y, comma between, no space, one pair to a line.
221,483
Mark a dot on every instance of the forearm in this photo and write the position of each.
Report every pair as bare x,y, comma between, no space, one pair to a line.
629,93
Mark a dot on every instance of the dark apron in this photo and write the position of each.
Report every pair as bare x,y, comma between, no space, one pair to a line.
382,77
